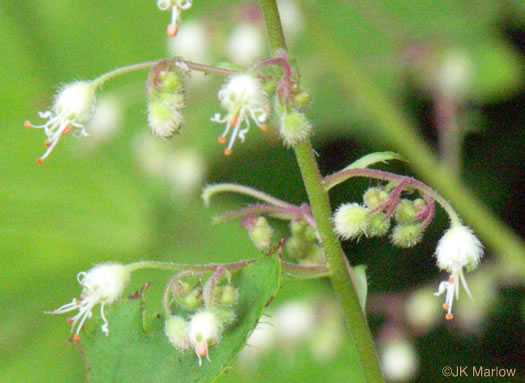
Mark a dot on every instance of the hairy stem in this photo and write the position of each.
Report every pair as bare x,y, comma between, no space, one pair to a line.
362,346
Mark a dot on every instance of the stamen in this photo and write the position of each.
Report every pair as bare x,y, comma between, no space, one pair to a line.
445,306
76,338
172,30
227,152
263,127
221,140
69,320
67,129
47,143
27,124
234,120
40,161
449,316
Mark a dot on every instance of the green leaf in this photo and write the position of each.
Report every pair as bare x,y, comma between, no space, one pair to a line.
362,284
136,353
374,158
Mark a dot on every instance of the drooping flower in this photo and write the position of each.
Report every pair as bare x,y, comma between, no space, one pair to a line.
458,248
244,99
176,6
204,330
103,284
73,108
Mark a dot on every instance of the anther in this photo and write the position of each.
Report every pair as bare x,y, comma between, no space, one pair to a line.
69,320
27,124
449,316
40,161
445,306
264,127
221,140
227,152
172,30
234,120
68,129
76,338
451,280
47,143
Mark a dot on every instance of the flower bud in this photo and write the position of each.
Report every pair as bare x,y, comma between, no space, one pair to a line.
294,127
296,247
261,233
351,220
229,296
405,211
166,99
176,329
374,196
406,236
191,301
378,225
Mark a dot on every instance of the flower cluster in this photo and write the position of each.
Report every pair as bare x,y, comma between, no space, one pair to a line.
176,6
373,217
458,249
244,99
73,108
209,308
104,285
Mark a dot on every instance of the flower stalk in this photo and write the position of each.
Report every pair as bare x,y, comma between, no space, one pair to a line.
362,345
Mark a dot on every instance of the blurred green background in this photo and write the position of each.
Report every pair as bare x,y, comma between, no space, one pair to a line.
124,196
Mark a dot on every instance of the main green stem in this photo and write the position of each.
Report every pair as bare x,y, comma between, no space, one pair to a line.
361,345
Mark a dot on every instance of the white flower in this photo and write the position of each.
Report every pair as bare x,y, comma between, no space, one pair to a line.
458,248
244,98
103,284
73,108
177,6
204,330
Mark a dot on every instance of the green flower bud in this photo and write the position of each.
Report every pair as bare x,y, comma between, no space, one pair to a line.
176,329
351,220
191,301
374,196
419,204
406,236
294,127
378,225
225,315
166,99
229,296
261,233
405,211
296,247
302,100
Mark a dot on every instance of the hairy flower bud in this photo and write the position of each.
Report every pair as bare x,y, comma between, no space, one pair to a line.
378,225
374,196
294,127
406,236
351,220
166,99
405,211
176,329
